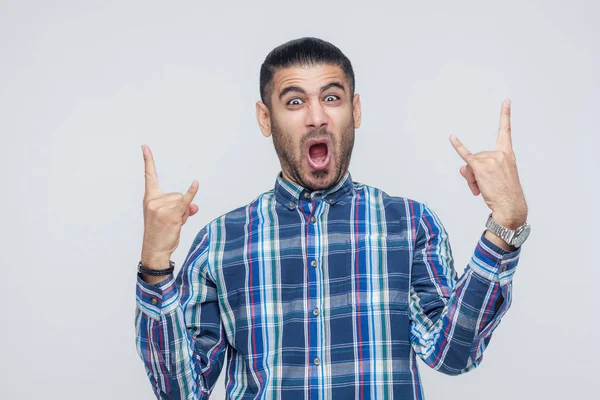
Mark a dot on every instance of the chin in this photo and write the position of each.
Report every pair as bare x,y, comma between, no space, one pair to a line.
319,180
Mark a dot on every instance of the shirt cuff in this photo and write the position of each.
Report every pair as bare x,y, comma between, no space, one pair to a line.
158,299
493,262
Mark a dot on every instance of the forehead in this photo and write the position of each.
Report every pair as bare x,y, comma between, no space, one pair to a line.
309,77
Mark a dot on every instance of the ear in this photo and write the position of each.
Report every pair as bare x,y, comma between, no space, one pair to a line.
356,111
263,118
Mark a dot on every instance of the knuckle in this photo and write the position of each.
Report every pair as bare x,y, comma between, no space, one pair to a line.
166,216
152,205
176,196
161,212
495,158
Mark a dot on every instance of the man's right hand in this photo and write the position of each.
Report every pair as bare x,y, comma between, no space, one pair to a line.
164,215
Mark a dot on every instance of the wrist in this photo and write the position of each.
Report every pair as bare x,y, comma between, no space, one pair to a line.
155,275
156,261
509,221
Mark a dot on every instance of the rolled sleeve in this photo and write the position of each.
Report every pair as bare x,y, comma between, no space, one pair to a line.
159,299
493,262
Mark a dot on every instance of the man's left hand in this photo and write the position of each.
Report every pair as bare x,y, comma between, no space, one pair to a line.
494,174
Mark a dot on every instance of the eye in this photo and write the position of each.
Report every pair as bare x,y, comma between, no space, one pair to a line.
332,96
292,100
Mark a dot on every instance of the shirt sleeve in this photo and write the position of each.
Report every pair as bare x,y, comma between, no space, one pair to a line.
180,337
452,320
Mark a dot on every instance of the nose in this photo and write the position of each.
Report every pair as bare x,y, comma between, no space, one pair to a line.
316,116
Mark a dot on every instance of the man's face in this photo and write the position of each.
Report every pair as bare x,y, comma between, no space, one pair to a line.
312,120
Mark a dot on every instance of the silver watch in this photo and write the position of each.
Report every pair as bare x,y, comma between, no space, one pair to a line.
513,238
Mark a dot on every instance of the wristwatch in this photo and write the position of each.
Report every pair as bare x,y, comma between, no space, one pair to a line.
156,272
512,237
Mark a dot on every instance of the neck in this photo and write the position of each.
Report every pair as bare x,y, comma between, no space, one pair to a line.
297,181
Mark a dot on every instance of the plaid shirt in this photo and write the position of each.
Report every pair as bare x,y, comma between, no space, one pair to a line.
320,295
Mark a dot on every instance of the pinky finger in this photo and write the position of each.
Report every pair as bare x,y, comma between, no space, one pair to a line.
469,176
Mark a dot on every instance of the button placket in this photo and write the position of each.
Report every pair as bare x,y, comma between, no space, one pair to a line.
313,296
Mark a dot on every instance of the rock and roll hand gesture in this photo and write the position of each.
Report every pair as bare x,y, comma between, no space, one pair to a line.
164,215
494,174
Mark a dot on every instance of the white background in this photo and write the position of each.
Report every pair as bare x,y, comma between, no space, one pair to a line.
84,84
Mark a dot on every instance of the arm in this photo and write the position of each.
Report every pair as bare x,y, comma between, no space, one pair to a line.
452,320
180,337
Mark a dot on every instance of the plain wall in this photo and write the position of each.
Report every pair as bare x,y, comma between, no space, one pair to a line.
84,84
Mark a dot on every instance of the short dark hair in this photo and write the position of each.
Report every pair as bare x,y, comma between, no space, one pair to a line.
305,51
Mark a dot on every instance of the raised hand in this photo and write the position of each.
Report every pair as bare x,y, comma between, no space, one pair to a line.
494,174
164,215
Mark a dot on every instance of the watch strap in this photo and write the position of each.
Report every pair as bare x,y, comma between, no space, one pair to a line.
514,238
504,233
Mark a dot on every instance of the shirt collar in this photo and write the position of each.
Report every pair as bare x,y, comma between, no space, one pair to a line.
289,193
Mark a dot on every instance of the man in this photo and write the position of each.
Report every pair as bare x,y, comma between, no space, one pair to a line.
322,287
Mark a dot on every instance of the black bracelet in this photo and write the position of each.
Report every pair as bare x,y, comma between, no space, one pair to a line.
156,272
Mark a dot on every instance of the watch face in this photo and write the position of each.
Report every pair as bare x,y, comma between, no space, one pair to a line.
522,236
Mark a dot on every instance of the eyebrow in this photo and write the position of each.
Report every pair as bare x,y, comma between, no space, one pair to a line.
298,89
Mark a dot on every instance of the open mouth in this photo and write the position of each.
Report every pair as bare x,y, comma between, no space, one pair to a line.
318,154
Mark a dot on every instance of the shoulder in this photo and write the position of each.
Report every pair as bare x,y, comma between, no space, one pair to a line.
233,221
392,203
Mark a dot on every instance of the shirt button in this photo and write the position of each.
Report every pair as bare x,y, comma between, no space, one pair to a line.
316,311
313,263
317,361
313,219
331,201
292,204
307,195
154,301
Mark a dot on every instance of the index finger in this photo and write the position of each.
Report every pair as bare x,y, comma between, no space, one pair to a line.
460,148
152,185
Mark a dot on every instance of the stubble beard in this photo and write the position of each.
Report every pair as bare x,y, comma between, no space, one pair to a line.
291,161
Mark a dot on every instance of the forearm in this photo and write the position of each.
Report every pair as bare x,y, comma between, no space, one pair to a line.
453,319
453,342
180,336
164,346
